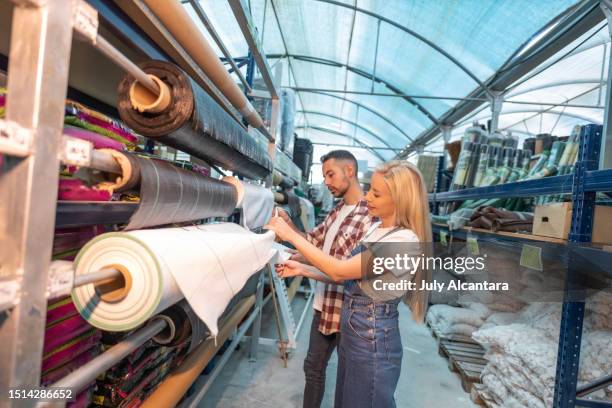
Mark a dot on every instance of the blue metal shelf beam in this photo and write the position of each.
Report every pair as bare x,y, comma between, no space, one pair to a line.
528,188
598,180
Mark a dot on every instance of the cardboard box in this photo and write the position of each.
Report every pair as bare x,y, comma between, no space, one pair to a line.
555,220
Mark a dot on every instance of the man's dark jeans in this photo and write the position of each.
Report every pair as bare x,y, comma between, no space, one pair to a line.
320,350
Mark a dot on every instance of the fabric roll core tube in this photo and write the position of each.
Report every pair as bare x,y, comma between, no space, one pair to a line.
149,86
145,101
116,288
177,21
193,123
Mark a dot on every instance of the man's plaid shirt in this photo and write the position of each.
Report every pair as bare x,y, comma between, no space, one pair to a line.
350,233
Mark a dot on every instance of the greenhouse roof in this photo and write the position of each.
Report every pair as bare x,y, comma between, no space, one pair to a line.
376,75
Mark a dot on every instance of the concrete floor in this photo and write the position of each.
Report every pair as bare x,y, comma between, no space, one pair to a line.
425,380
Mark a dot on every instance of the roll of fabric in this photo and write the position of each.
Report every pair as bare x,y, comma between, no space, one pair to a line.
291,200
69,351
307,214
498,219
169,194
63,331
281,180
206,264
195,124
255,201
86,118
57,373
184,326
98,141
71,189
60,309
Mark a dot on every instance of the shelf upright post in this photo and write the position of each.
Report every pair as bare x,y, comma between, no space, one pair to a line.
37,82
496,108
572,315
606,148
438,182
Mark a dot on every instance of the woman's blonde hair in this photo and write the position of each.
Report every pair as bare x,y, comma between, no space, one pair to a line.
409,194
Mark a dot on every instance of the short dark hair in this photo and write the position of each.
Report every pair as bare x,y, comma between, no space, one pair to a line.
341,155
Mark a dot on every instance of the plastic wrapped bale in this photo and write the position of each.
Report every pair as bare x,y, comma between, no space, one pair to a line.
449,320
287,121
522,356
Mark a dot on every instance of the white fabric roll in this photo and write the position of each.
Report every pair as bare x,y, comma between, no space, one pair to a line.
308,215
206,264
255,201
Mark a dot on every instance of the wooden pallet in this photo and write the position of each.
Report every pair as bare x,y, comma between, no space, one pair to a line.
454,337
466,358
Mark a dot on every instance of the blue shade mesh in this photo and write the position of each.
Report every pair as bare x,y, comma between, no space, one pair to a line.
335,49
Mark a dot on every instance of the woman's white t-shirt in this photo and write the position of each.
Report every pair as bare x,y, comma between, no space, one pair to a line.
376,232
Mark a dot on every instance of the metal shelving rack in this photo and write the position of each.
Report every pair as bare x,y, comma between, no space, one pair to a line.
583,185
30,140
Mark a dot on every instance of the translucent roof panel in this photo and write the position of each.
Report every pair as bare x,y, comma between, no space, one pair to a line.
374,58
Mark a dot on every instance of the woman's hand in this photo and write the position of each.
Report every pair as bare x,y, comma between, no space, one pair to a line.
281,228
289,269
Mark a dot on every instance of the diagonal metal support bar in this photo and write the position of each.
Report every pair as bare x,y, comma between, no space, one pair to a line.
217,39
243,17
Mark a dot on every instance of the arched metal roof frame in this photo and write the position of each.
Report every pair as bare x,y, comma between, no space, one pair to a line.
342,134
350,122
540,112
555,84
576,21
575,51
362,106
360,72
474,114
415,35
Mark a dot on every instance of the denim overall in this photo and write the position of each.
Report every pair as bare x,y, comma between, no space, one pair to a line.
370,349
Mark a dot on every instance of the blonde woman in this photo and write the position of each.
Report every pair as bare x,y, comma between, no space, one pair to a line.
370,350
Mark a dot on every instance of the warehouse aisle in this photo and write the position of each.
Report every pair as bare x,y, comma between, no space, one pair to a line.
425,381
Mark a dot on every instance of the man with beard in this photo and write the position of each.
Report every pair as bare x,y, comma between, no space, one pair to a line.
337,235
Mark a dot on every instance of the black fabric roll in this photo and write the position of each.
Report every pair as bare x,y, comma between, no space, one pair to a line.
195,124
286,183
169,194
181,330
187,325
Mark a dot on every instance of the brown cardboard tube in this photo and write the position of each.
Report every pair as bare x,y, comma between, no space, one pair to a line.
117,288
169,393
144,101
177,21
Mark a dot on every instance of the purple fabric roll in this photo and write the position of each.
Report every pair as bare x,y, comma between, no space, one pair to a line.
60,372
71,350
67,239
60,309
99,141
75,190
64,331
